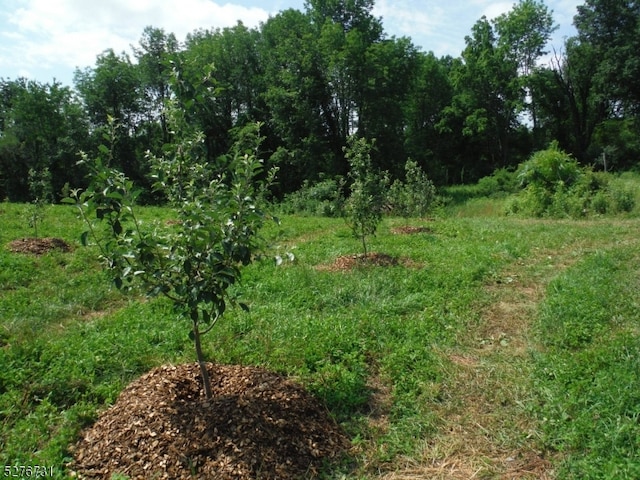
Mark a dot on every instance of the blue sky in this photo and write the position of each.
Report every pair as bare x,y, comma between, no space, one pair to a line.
47,39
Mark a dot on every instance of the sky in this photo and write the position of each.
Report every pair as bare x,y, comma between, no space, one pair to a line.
45,40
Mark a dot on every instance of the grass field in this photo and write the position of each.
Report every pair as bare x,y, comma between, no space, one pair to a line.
497,347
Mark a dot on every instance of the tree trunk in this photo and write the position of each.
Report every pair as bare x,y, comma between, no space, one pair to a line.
364,245
203,366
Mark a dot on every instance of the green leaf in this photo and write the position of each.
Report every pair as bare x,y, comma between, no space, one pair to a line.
83,238
114,194
244,307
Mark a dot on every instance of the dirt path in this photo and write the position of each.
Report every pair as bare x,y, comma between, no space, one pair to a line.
487,431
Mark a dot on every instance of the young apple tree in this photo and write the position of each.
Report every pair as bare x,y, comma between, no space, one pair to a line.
40,191
415,196
219,210
365,205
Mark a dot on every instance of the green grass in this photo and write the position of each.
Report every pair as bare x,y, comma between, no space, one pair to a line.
590,374
69,343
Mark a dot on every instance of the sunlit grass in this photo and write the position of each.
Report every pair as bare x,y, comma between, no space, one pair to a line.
365,341
590,375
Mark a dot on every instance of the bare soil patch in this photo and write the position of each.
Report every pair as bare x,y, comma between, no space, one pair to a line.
38,246
258,425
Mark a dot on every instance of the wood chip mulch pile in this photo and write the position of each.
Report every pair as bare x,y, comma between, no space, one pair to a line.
258,425
38,246
349,262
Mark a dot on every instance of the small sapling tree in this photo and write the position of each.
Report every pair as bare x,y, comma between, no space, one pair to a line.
194,262
415,196
40,190
365,205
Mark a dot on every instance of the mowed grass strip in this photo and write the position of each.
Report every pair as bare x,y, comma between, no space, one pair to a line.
367,341
589,373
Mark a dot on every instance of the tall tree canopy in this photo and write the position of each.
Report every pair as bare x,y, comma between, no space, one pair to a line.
315,78
349,14
523,34
612,27
156,51
41,127
227,62
487,99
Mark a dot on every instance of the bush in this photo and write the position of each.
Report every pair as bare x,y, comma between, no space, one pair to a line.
532,201
500,182
324,198
415,196
623,200
549,168
600,203
554,185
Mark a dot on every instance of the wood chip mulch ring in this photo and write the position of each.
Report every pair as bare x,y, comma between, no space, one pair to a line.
349,262
258,425
38,246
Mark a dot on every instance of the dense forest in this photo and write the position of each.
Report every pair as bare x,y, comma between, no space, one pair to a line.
312,78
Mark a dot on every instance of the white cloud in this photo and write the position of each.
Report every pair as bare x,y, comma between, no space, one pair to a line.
51,37
496,9
407,19
565,10
433,27
71,33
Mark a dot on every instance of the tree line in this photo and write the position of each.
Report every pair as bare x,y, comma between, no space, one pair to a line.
313,78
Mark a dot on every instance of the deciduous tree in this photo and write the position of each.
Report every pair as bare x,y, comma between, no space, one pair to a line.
365,205
197,262
523,34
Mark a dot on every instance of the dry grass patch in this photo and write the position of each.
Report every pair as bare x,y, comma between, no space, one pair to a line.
486,431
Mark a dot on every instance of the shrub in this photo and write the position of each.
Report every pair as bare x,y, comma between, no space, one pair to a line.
600,203
554,185
415,196
533,201
549,168
324,198
623,199
500,182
